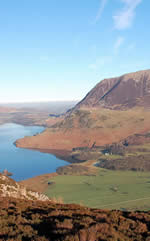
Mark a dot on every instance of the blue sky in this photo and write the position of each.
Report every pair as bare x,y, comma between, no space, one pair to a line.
59,50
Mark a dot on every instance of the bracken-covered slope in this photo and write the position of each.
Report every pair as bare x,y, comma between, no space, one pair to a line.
22,220
84,127
123,92
115,109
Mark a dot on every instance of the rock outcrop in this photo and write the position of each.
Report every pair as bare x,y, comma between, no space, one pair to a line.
10,188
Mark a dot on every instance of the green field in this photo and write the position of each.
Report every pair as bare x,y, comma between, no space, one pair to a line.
109,190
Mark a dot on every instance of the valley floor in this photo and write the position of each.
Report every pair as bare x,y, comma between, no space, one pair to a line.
125,190
88,184
120,180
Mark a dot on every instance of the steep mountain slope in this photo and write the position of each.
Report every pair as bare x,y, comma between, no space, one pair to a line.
122,92
102,117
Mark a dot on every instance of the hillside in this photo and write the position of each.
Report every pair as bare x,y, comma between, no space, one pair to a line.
10,188
43,221
28,215
104,116
124,92
84,127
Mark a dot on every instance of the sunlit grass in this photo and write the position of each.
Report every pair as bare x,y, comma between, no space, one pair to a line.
110,189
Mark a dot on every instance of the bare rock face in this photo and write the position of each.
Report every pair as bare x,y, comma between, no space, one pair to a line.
10,188
123,92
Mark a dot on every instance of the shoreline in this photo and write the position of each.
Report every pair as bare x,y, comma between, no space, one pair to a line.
60,154
24,125
38,183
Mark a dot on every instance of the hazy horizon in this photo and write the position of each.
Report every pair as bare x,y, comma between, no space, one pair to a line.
37,101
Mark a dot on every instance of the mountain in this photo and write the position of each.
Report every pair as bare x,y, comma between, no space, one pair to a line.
113,110
123,92
4,109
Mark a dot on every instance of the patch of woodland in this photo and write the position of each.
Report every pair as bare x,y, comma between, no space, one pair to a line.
133,163
75,170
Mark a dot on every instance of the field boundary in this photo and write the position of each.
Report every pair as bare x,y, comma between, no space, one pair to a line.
128,201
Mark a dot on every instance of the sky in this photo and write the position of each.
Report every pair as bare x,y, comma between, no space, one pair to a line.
59,50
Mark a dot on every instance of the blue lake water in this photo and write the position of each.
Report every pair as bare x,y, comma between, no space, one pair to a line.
24,163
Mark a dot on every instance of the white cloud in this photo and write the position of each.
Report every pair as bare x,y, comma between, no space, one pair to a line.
124,18
120,40
100,62
100,11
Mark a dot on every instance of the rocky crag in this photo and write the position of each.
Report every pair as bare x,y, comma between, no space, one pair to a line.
10,188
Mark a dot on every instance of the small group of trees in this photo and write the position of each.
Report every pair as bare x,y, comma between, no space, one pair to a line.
114,149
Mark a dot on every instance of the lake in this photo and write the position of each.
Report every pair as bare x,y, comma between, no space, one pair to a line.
24,163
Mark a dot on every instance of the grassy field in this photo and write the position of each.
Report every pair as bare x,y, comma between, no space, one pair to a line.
108,190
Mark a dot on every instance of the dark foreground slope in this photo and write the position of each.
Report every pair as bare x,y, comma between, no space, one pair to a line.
36,220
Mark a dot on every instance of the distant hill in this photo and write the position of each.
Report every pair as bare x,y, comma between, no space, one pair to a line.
5,109
37,113
123,92
53,107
